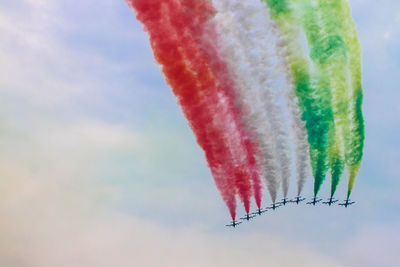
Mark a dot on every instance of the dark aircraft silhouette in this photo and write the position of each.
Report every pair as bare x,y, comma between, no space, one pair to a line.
284,201
273,206
233,224
248,217
346,203
298,199
330,201
258,212
314,201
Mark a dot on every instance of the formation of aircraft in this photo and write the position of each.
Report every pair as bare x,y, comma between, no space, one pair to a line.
284,201
346,203
330,201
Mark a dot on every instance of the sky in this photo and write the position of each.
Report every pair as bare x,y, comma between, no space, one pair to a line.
98,165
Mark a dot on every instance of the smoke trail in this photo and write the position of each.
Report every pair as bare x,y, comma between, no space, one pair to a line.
250,84
244,148
313,98
334,59
302,152
329,52
354,150
297,125
189,21
169,50
260,61
204,89
322,46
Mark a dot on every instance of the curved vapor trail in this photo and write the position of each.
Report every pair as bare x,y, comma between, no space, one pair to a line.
258,122
261,81
200,91
258,57
354,151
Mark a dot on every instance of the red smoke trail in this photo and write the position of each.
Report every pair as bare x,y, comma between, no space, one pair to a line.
201,82
197,17
174,53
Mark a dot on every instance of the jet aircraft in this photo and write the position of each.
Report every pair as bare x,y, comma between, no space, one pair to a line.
233,224
259,212
284,201
298,199
314,201
347,203
248,217
330,201
273,206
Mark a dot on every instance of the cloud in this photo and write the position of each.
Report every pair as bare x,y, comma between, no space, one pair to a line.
375,245
47,223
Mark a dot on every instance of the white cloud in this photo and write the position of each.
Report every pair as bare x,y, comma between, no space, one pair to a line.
40,64
45,226
375,245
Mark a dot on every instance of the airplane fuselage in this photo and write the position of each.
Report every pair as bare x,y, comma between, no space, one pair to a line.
274,206
347,203
234,224
247,217
314,201
298,200
259,212
330,202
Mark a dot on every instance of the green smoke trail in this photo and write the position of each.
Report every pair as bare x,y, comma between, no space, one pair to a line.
311,89
335,62
334,51
357,135
328,53
340,13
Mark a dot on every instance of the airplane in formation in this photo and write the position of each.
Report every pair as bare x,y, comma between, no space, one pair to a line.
330,201
259,212
284,201
314,201
346,203
248,217
233,224
298,199
273,206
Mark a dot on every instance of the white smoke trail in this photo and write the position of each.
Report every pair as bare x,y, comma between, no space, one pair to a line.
299,131
257,122
251,42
